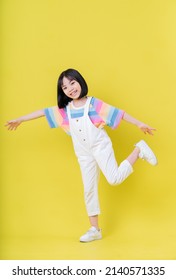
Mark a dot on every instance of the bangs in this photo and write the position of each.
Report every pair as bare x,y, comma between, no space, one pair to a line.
70,78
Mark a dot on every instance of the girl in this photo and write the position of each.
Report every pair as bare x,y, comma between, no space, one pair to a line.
84,119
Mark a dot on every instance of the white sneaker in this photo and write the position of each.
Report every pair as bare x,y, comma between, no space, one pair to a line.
91,234
146,153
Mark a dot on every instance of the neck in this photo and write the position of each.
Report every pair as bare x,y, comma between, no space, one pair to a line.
79,102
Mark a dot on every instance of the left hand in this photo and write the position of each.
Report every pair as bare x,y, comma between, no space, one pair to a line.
146,128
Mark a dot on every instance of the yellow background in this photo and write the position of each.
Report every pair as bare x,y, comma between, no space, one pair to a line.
126,51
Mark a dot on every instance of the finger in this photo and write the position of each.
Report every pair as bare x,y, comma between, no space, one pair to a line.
10,127
150,132
7,124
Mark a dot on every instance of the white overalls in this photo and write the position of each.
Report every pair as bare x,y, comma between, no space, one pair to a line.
94,150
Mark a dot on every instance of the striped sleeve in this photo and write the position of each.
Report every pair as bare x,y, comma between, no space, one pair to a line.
111,116
56,117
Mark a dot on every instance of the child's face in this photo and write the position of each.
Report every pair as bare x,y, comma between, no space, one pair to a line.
71,88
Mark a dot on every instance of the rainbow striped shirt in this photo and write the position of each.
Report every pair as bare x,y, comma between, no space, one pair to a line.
100,113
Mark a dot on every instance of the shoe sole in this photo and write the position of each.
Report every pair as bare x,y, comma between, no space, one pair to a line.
86,241
145,146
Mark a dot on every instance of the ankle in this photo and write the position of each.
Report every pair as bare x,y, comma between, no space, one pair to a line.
97,227
137,150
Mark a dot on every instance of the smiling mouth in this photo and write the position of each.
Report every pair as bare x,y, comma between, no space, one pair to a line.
73,93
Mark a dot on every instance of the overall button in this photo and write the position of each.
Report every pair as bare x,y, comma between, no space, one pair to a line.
84,139
80,130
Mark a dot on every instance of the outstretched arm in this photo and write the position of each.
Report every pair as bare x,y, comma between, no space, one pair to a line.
144,127
13,124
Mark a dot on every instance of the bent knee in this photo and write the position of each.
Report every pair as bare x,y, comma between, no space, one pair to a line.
115,181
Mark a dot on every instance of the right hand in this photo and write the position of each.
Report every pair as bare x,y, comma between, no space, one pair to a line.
13,124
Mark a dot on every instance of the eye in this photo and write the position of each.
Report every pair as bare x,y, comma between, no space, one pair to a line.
64,88
72,82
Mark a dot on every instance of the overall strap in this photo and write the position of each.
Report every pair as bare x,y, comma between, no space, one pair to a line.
68,111
86,109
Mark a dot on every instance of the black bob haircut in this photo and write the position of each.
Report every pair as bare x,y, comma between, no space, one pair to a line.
70,74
